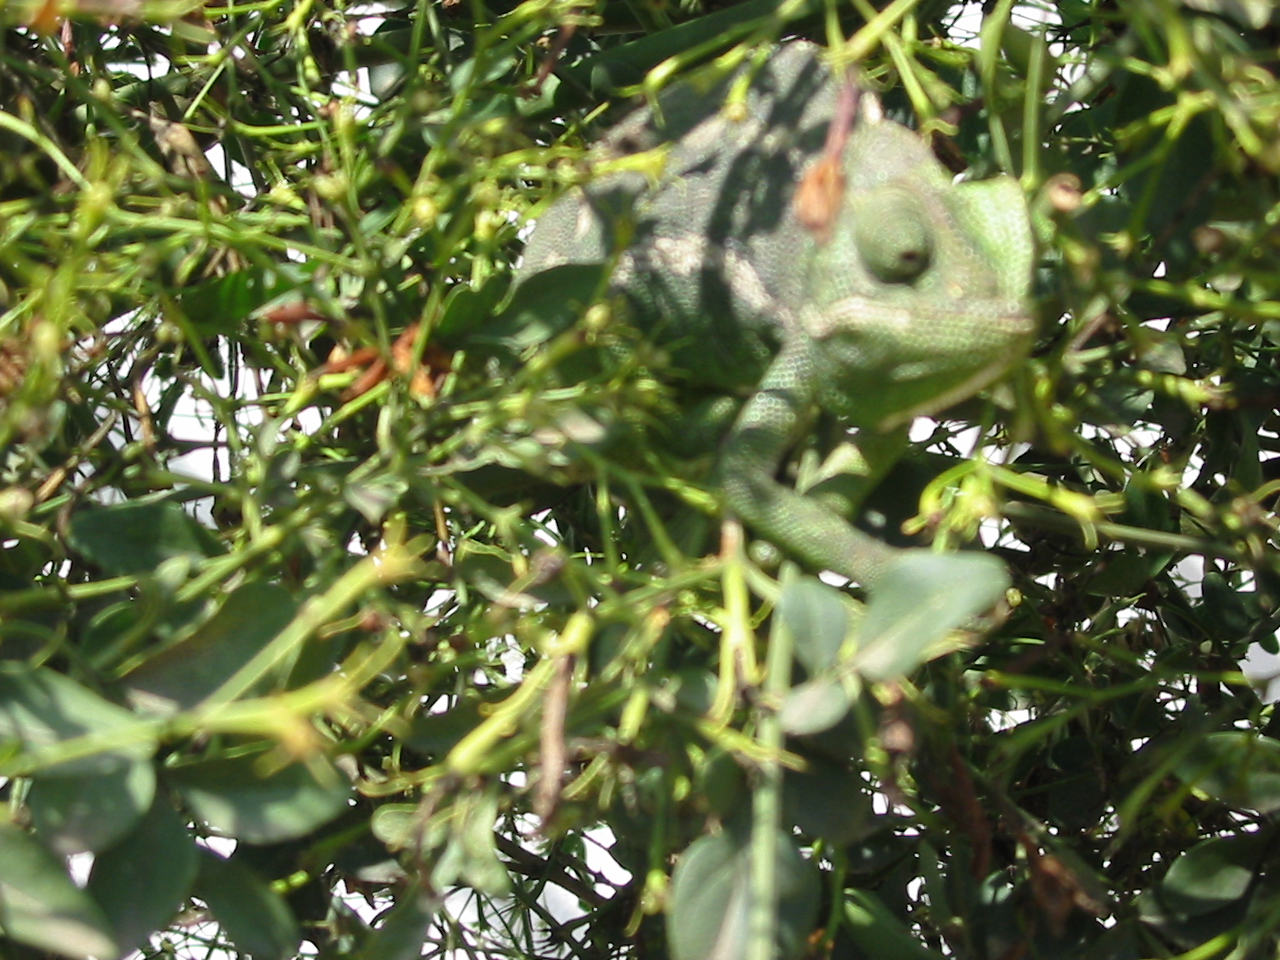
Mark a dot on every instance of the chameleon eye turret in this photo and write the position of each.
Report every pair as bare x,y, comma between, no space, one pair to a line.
893,238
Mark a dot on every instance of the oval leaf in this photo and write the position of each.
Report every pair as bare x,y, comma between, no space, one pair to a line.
232,798
918,600
398,825
143,880
41,906
255,917
818,619
814,706
76,814
828,801
1211,874
181,676
1237,768
40,708
708,910
130,538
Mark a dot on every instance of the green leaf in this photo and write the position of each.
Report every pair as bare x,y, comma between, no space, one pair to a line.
254,916
91,811
708,908
918,600
545,304
220,306
1236,767
374,496
472,855
467,308
1254,14
403,928
1212,874
878,933
182,676
1190,930
232,798
818,618
397,825
131,538
814,706
722,783
1162,352
143,880
1119,403
615,67
435,734
828,801
1124,573
41,708
1223,609
41,906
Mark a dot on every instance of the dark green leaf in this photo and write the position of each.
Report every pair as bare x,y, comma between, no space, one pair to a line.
403,928
1189,930
142,881
91,811
1212,874
1124,573
182,676
818,617
234,799
1119,403
1238,768
542,306
708,908
222,305
466,309
255,917
137,537
722,784
878,933
41,708
1223,609
828,801
435,734
919,600
41,906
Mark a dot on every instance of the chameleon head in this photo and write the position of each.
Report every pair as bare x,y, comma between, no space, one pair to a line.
921,288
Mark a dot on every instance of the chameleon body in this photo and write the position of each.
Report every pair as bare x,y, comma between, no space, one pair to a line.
915,298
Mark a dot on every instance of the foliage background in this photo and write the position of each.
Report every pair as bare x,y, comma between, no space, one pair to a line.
247,594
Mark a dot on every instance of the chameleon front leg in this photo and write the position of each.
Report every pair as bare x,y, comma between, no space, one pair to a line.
942,591
770,425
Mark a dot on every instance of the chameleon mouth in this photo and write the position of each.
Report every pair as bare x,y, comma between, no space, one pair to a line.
977,381
919,367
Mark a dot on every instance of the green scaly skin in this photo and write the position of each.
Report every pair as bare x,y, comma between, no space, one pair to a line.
915,300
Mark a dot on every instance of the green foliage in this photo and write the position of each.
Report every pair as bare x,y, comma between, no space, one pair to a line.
315,655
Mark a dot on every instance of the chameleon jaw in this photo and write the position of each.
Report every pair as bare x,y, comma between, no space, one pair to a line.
919,369
980,379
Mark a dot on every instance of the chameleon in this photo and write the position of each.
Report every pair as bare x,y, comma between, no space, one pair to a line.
911,298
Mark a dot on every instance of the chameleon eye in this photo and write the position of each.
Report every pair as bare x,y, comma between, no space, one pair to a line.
894,240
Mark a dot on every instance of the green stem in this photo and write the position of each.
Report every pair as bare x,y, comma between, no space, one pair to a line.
1047,519
766,808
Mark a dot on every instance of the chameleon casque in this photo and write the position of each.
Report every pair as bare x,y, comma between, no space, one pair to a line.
915,297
